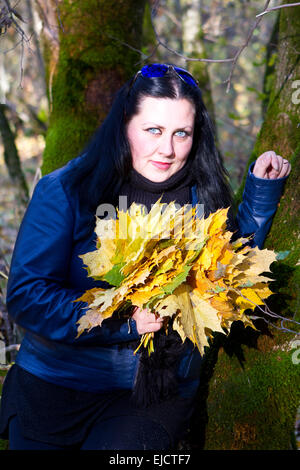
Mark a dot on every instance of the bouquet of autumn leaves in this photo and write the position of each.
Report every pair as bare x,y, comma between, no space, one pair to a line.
177,265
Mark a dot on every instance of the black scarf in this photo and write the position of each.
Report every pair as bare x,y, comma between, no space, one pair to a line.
156,376
139,189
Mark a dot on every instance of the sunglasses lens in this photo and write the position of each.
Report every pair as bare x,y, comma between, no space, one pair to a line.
154,70
159,70
186,76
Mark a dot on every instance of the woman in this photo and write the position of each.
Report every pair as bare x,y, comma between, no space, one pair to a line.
92,392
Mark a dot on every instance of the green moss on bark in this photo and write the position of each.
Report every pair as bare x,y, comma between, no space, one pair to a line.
58,137
256,408
92,65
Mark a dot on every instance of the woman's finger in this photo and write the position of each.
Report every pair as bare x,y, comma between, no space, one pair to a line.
261,165
280,163
274,167
154,326
269,165
285,169
146,321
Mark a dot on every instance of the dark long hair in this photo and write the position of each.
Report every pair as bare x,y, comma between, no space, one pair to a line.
106,160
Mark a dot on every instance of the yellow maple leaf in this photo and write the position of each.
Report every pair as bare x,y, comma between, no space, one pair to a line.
218,221
194,318
226,255
204,286
206,315
140,297
168,306
260,261
221,305
88,321
98,262
90,295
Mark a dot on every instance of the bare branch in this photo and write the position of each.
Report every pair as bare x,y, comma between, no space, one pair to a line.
278,7
127,45
49,28
172,17
3,275
269,313
59,18
232,60
191,59
240,50
259,16
152,53
144,57
9,17
6,263
7,14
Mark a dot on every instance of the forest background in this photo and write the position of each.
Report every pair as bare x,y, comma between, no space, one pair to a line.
61,61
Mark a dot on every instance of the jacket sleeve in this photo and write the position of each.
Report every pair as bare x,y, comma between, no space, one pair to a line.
38,298
256,211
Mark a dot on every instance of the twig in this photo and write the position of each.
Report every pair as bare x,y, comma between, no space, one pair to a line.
267,311
21,63
171,16
281,328
150,55
240,50
11,49
259,16
144,57
59,18
126,44
8,20
7,265
49,28
237,128
278,7
190,59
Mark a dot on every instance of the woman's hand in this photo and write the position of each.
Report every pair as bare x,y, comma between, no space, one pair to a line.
271,166
146,322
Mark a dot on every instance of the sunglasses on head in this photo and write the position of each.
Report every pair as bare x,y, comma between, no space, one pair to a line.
160,70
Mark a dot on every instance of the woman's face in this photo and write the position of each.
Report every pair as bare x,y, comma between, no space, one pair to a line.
161,137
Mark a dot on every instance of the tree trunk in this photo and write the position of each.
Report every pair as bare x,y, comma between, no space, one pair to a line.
12,159
86,65
193,46
33,34
254,407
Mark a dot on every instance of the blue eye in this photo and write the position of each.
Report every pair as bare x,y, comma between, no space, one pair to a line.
153,130
181,133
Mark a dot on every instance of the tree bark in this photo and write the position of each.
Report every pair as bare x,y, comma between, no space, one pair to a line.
254,407
12,159
33,34
86,64
193,46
